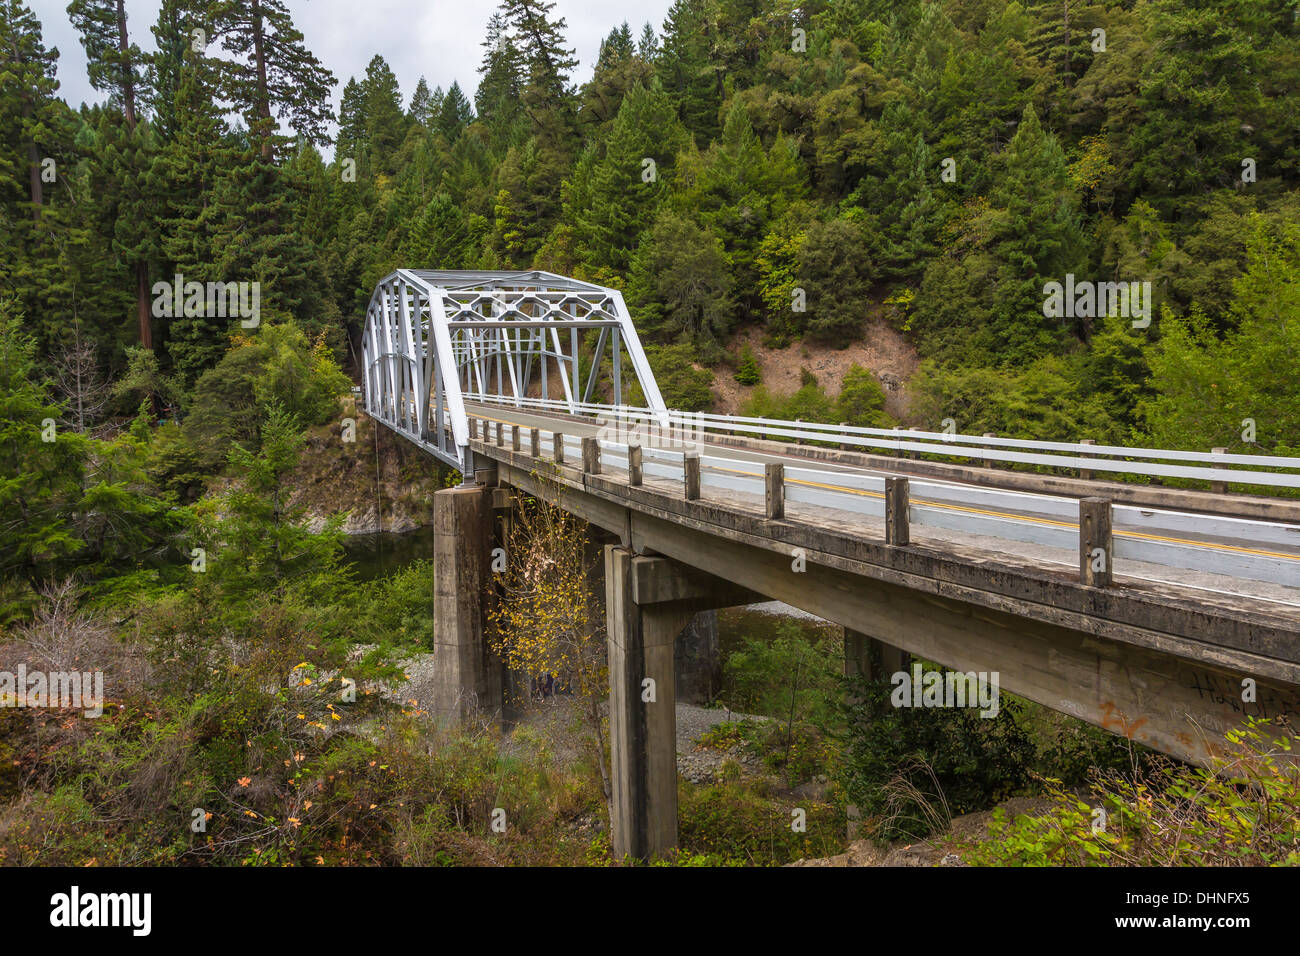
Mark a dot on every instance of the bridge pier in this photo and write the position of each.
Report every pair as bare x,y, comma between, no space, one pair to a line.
466,676
648,601
871,658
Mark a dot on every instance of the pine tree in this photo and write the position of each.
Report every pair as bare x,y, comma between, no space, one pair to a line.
126,152
497,99
383,121
687,70
112,61
273,73
455,114
424,105
172,35
190,169
624,189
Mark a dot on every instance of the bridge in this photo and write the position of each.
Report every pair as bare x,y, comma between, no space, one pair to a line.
1150,606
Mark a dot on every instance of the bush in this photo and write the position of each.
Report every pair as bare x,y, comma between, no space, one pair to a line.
1244,810
914,768
683,386
861,400
747,373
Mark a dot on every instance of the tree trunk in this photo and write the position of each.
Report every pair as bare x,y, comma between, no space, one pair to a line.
128,71
263,96
143,304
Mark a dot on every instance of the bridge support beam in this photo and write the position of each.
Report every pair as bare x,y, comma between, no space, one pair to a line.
466,677
649,600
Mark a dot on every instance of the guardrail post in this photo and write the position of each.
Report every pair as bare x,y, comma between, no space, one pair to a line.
897,522
1086,473
1095,552
514,437
798,441
535,442
987,463
691,472
1219,487
473,428
844,446
634,474
500,441
774,490
557,447
591,456
913,454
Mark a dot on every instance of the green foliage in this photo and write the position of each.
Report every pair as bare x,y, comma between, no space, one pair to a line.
1043,402
40,480
862,399
835,272
275,366
680,284
682,385
748,373
1205,385
913,768
737,823
1241,811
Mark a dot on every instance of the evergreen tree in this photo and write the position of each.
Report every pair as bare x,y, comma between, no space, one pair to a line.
273,73
685,67
624,192
455,113
126,151
424,105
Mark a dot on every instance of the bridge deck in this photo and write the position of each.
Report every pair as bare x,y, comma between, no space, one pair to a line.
1211,542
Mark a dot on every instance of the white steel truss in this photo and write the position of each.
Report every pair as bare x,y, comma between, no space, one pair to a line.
434,340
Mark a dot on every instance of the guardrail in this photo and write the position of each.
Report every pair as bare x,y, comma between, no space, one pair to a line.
1101,531
1079,456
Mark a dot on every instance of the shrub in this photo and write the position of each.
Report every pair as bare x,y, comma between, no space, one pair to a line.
747,373
1243,810
901,763
861,400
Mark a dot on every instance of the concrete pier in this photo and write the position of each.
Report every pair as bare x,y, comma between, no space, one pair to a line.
648,601
466,675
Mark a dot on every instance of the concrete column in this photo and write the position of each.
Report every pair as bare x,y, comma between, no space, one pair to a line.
466,678
642,732
872,658
699,659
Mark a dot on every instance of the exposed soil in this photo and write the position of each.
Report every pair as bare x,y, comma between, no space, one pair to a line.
882,349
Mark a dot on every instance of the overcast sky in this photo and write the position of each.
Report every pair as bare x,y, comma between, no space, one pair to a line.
434,38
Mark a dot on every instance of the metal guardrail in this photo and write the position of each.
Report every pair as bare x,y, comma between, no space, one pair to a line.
1082,457
1148,535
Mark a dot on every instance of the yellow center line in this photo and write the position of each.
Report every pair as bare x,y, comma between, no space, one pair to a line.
996,514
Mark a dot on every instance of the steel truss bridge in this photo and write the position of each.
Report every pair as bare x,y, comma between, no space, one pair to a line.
435,340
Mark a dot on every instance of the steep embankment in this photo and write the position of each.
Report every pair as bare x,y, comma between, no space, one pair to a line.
384,482
882,349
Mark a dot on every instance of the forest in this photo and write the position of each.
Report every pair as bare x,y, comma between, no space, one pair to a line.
799,171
